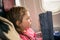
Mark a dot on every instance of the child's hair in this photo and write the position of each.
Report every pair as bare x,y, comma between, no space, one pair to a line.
16,13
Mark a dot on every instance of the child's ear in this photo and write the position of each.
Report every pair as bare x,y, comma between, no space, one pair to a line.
17,23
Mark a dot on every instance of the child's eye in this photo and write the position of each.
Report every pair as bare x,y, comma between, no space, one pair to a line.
28,18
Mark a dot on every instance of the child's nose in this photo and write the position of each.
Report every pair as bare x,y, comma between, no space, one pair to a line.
30,21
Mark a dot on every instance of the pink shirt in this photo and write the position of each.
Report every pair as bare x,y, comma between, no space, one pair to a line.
31,34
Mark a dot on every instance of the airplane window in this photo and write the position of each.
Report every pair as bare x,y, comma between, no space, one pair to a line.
51,5
17,2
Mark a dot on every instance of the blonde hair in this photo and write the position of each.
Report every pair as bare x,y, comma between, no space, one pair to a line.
14,14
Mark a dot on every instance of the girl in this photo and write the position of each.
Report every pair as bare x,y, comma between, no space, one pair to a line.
20,17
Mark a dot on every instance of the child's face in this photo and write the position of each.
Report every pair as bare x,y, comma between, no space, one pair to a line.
26,22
